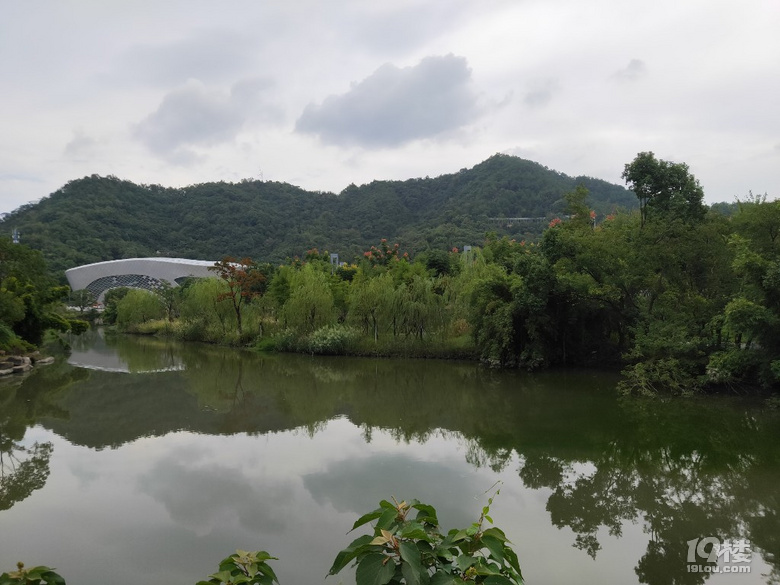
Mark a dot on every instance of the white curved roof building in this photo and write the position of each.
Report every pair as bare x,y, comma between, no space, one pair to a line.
146,273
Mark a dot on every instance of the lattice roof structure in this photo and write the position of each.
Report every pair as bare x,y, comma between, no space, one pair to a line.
146,273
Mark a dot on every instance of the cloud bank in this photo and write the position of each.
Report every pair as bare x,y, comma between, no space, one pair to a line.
395,105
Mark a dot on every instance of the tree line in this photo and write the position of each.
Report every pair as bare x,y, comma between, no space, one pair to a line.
680,296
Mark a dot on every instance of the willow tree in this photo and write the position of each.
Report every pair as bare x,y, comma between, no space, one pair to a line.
310,305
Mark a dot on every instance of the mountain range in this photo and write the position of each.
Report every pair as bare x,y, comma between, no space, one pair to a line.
103,218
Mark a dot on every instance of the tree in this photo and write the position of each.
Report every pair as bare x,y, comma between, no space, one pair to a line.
82,299
138,306
169,298
310,305
664,188
245,280
369,301
29,296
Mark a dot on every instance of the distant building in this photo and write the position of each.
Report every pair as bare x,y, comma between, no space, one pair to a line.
145,273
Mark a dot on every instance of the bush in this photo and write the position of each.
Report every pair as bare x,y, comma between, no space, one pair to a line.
653,377
412,550
331,340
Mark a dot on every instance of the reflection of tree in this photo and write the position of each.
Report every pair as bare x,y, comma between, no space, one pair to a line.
146,354
684,481
20,478
25,469
685,470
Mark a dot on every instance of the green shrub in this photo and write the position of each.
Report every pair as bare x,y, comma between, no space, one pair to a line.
407,547
331,340
267,344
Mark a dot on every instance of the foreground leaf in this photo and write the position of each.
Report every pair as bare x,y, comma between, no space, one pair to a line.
375,569
345,556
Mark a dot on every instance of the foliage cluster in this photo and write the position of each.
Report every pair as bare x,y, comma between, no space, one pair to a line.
413,551
30,299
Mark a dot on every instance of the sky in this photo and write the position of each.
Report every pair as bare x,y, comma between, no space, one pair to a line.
326,94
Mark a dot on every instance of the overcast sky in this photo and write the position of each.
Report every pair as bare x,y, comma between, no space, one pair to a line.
323,94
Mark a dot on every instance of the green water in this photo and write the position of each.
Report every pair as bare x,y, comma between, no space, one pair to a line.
155,460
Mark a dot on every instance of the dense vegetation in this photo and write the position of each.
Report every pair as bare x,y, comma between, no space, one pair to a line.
682,297
104,218
30,299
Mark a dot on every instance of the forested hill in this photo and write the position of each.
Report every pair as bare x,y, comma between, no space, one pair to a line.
104,218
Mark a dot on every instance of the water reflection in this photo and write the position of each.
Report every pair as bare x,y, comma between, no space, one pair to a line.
96,350
678,470
25,468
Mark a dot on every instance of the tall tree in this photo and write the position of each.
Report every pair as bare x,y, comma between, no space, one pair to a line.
665,188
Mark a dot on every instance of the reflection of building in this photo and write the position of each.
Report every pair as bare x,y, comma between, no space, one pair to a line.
147,273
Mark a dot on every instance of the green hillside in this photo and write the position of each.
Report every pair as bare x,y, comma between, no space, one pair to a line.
104,218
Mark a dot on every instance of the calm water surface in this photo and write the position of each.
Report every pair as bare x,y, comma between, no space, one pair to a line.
148,462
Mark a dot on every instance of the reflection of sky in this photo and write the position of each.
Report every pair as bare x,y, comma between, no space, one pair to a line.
167,509
109,362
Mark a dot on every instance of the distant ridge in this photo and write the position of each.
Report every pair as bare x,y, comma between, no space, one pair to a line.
105,218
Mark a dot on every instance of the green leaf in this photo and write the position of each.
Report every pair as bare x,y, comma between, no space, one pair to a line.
410,553
511,558
222,576
267,571
374,569
344,557
52,578
426,513
414,530
496,532
366,518
484,568
465,561
495,546
387,518
262,555
442,578
414,575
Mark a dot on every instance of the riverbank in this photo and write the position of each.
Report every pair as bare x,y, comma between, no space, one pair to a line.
329,340
20,364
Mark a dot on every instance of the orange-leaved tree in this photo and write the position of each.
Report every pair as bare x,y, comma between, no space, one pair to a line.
245,280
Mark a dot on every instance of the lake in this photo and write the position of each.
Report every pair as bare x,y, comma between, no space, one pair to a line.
136,460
